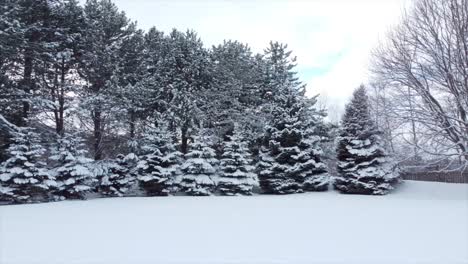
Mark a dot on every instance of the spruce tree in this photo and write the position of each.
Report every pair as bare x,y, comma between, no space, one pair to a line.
23,177
158,168
363,165
236,177
119,176
309,164
276,169
199,169
290,158
74,178
6,135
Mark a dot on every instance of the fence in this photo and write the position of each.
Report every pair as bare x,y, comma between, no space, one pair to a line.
436,176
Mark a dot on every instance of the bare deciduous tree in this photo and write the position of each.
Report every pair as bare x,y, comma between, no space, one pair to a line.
426,57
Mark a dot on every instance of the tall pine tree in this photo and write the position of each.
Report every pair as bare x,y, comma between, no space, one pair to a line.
234,95
363,164
289,160
105,29
11,39
187,73
57,76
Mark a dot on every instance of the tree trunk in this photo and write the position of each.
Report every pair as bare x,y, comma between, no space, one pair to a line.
27,84
132,124
61,101
97,135
184,143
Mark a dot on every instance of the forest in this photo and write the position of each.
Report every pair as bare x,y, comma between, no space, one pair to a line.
91,104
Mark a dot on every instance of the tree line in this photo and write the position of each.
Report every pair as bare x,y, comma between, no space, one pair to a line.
91,103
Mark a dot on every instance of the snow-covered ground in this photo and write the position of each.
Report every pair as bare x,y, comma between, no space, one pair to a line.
420,223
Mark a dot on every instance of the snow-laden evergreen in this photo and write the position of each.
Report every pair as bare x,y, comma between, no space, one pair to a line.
290,159
158,168
23,177
74,177
199,169
276,168
119,176
363,164
310,164
185,69
236,76
105,29
236,176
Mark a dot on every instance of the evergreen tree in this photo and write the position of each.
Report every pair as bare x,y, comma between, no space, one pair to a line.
309,164
199,169
23,177
57,72
7,130
130,81
236,175
11,39
158,67
276,169
186,72
74,178
105,29
234,94
280,79
159,166
290,160
363,165
118,178
25,31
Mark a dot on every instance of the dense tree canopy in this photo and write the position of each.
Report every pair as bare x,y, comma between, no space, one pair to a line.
142,104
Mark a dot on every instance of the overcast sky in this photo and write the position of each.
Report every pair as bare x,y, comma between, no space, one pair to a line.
332,39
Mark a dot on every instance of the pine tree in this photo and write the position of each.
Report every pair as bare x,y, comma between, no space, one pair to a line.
290,159
236,175
186,72
57,71
23,177
280,78
309,164
132,93
25,29
279,177
199,169
105,29
11,39
363,164
74,178
158,64
7,130
119,176
158,168
234,94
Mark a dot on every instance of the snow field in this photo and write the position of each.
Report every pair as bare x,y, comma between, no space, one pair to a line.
419,223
